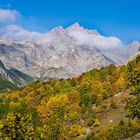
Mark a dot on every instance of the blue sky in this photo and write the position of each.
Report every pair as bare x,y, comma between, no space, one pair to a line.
119,18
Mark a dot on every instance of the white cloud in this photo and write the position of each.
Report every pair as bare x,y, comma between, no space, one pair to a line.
17,33
98,41
7,15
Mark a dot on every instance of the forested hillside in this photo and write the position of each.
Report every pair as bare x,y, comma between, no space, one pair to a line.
98,105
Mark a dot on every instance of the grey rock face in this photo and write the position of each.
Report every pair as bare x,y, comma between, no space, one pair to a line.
56,54
47,61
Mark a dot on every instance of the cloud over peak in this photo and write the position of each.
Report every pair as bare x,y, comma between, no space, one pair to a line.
81,35
7,15
98,41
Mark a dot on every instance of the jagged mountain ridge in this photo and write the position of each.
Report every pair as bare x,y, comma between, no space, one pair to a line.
57,54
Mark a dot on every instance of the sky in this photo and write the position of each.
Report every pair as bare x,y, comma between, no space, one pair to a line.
120,18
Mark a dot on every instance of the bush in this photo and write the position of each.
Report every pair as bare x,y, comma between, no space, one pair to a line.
105,95
76,130
91,119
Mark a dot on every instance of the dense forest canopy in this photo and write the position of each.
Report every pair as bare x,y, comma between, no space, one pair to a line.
71,109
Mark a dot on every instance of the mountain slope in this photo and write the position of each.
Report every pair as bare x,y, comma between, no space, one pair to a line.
133,57
14,76
6,85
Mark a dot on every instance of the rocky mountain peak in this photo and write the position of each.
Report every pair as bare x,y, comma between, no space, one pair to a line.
135,44
57,29
77,28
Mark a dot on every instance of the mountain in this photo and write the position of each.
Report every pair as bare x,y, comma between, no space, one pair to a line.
133,57
61,59
61,53
77,28
134,50
14,76
134,46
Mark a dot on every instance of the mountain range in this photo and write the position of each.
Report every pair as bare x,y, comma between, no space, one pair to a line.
60,53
